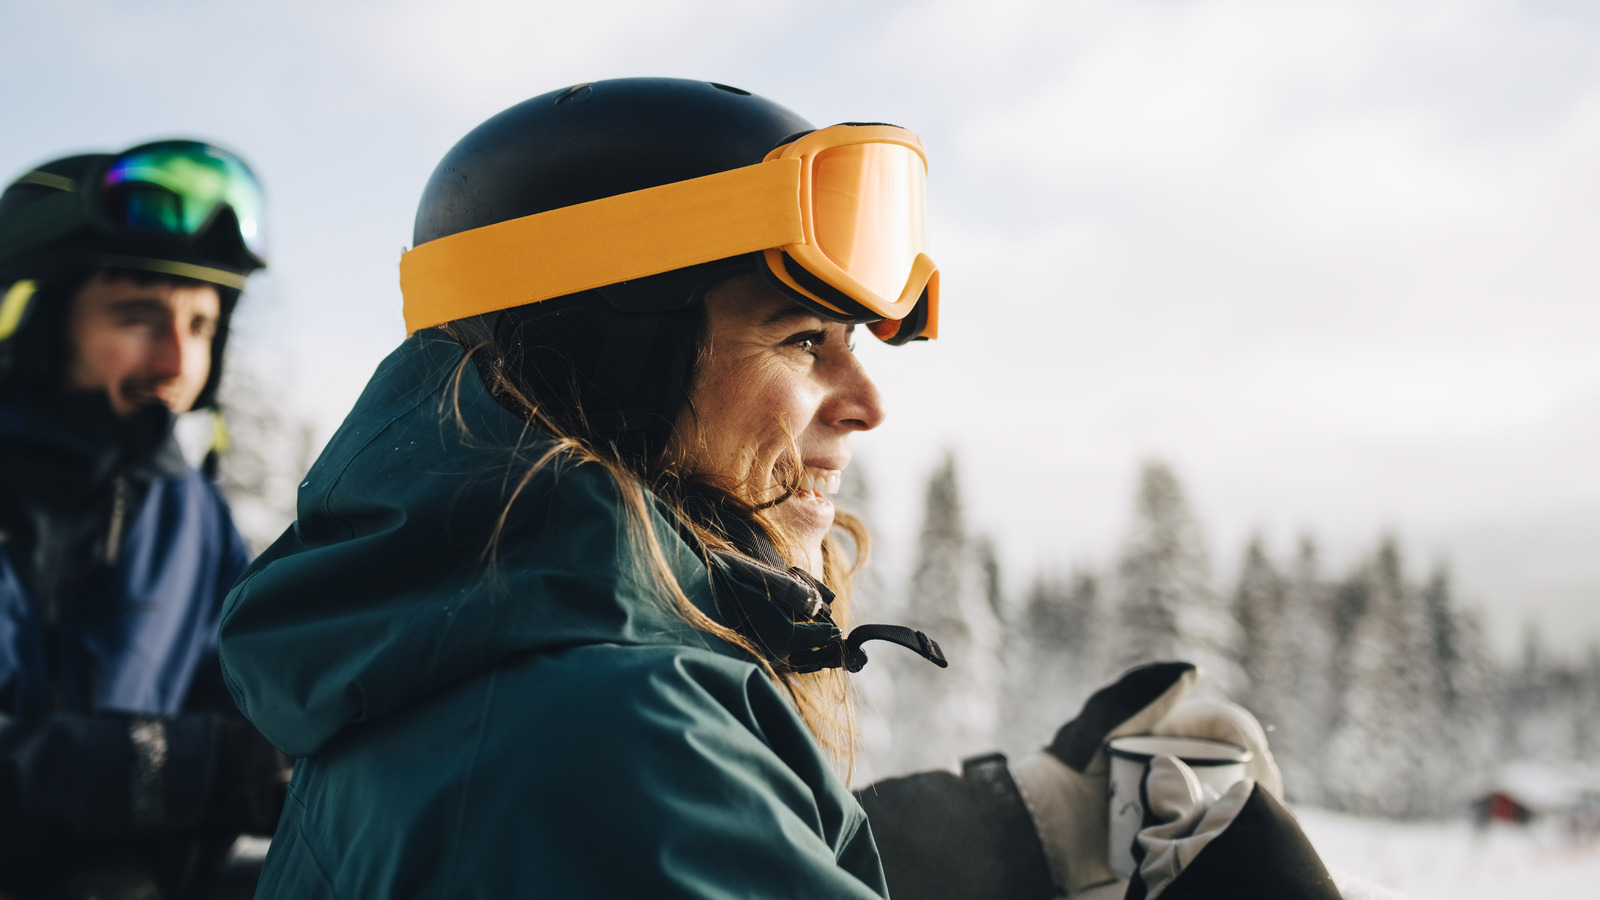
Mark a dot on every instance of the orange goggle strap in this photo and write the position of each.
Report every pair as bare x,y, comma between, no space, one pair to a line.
590,245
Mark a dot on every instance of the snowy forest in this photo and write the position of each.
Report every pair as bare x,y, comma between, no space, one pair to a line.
1377,687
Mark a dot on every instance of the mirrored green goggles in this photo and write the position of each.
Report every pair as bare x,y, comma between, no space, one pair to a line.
178,188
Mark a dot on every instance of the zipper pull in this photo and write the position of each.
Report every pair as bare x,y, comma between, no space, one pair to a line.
119,503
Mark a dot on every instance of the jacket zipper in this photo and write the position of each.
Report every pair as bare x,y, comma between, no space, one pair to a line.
55,650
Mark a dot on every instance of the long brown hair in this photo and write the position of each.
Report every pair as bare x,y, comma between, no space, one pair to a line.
821,698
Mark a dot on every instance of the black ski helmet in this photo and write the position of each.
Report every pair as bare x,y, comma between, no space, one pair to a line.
611,363
52,233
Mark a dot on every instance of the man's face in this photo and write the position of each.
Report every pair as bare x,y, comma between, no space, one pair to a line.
142,343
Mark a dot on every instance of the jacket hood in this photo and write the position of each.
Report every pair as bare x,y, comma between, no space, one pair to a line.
386,588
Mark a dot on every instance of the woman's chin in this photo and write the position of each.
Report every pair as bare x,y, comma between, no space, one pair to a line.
807,516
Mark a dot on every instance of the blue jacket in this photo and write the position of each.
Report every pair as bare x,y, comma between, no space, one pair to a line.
114,559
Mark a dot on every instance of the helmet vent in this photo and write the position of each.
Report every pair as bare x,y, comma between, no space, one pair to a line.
730,89
575,93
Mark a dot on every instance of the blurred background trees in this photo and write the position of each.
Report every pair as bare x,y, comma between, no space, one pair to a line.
1378,687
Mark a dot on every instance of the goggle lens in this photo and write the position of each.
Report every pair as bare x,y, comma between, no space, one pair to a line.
177,187
869,206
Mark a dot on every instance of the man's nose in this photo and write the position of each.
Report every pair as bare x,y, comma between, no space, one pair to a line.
169,352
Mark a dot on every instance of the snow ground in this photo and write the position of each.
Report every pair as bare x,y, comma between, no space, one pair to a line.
1423,861
1452,861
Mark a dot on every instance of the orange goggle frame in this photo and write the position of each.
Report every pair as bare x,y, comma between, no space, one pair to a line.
838,217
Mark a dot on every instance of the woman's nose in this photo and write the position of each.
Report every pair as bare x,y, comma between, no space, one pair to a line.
858,405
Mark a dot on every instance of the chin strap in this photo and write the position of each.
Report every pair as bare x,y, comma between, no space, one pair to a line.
846,652
791,601
809,600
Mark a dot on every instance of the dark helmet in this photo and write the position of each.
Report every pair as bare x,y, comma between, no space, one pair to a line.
611,363
176,208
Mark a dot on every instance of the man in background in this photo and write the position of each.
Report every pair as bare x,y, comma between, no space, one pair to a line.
125,771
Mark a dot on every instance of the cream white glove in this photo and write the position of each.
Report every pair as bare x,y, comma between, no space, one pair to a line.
1217,720
1066,786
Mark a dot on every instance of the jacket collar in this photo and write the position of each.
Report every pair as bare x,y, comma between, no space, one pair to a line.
64,451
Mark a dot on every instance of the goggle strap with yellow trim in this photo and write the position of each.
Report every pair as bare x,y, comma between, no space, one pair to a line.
14,306
48,220
590,245
221,277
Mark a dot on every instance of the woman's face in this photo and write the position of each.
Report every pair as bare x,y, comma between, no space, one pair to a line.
775,371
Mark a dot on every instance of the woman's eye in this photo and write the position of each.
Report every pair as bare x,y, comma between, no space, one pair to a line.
809,341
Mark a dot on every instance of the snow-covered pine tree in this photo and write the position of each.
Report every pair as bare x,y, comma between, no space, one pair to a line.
987,560
1464,676
942,715
1305,696
1166,606
872,689
1090,648
1586,707
1541,704
1051,658
1388,727
1258,607
1522,694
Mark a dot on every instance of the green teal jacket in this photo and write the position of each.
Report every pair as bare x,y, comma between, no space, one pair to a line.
528,722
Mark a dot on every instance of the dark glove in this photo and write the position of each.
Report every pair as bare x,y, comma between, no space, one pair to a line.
1066,787
250,782
1244,844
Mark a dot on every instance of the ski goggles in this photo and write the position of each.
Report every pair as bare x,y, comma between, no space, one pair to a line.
837,217
178,188
168,189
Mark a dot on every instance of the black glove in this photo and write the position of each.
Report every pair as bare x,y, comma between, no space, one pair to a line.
250,781
1244,844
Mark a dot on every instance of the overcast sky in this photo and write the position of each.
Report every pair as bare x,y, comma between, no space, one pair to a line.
1335,262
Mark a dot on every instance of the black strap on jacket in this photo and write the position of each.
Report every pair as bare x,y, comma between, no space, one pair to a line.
803,598
846,653
806,600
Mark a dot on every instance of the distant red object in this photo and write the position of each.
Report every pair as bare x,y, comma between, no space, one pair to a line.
1499,806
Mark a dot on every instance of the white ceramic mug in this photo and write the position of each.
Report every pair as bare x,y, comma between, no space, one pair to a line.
1216,764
